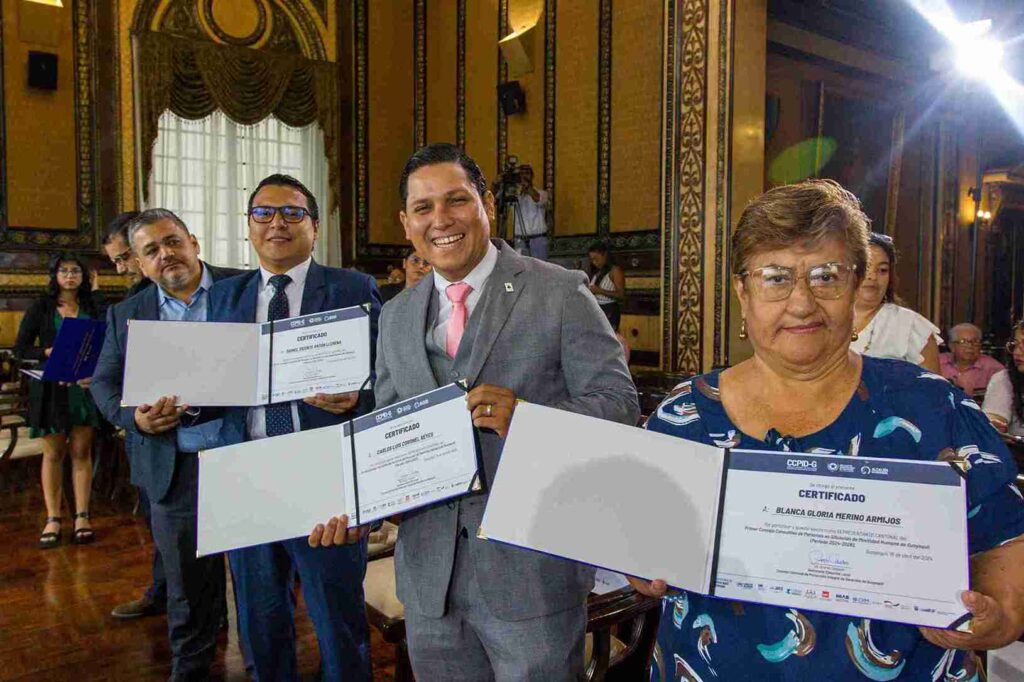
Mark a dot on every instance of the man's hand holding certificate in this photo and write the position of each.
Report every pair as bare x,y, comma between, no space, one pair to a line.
405,456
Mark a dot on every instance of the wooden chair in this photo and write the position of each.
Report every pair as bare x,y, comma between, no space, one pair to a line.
622,626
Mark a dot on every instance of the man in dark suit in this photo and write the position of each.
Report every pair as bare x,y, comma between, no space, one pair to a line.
163,441
283,227
119,251
512,327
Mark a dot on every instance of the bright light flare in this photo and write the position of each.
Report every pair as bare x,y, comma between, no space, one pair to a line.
977,54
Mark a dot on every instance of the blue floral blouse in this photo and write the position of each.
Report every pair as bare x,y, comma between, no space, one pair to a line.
898,411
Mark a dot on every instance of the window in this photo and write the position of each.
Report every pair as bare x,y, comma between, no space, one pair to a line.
205,170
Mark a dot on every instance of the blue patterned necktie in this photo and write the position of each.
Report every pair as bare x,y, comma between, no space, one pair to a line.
279,415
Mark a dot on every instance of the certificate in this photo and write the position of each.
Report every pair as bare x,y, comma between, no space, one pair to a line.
874,538
74,353
409,455
879,538
208,364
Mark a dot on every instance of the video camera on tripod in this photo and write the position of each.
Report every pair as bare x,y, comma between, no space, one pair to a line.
507,188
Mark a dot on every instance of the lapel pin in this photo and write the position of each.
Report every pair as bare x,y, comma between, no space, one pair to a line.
509,288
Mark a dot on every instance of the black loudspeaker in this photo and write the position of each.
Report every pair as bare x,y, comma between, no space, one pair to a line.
42,70
511,98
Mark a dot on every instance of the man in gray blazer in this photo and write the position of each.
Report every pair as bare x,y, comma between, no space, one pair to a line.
521,329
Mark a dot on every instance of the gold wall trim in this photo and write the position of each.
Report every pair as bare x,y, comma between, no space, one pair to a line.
88,232
691,179
502,78
420,73
670,188
460,74
604,118
550,33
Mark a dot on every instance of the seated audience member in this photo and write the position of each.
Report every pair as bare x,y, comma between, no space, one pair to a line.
966,366
65,417
284,222
415,268
798,252
119,251
162,443
607,282
1003,396
882,328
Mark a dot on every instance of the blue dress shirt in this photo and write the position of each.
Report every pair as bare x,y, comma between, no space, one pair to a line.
200,436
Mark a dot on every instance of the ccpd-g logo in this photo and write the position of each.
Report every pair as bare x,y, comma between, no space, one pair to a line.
801,464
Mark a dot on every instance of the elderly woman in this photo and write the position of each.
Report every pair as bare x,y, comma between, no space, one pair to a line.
798,251
1003,403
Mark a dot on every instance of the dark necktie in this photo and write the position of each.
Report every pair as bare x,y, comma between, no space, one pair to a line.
279,415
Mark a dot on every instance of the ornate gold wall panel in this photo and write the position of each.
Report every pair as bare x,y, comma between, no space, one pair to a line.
636,78
46,137
576,143
481,106
390,127
442,69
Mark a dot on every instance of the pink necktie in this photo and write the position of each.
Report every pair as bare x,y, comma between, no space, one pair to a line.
457,293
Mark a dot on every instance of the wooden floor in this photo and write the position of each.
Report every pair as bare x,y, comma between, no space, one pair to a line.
55,621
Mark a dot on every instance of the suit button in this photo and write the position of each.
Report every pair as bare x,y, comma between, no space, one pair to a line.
455,375
451,505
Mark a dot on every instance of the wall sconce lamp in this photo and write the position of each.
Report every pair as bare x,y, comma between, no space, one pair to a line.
984,216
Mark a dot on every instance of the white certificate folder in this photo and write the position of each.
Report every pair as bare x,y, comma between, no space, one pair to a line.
405,456
869,537
225,364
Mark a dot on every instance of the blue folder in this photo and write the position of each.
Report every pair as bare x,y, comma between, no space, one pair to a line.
75,350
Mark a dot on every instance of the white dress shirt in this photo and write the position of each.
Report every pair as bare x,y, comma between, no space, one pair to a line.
256,419
532,221
477,278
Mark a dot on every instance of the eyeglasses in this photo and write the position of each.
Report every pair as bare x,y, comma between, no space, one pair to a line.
967,342
291,214
1011,346
828,281
69,272
122,257
418,262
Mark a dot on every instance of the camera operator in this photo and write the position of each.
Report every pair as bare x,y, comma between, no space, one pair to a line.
531,230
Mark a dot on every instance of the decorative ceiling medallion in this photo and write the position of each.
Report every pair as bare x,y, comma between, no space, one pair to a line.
245,23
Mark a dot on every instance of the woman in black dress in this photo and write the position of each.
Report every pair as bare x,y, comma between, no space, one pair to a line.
65,417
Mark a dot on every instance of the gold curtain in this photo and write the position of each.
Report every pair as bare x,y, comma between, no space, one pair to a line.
194,79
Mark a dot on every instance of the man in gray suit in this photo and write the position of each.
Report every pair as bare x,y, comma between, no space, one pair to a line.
515,328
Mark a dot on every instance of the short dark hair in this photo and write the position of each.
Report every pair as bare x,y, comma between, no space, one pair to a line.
118,227
599,246
441,152
282,180
150,216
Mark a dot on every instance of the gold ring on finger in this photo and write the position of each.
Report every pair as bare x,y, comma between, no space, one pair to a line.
489,409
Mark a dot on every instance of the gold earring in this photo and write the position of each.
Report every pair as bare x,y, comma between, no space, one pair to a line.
854,336
743,329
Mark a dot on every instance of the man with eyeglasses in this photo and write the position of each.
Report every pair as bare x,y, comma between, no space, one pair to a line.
284,223
966,366
163,439
119,251
115,245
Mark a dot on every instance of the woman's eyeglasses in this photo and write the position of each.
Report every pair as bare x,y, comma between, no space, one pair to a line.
1011,346
967,342
290,214
70,272
828,281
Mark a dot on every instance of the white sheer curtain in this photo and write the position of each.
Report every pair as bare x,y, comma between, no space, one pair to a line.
204,171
